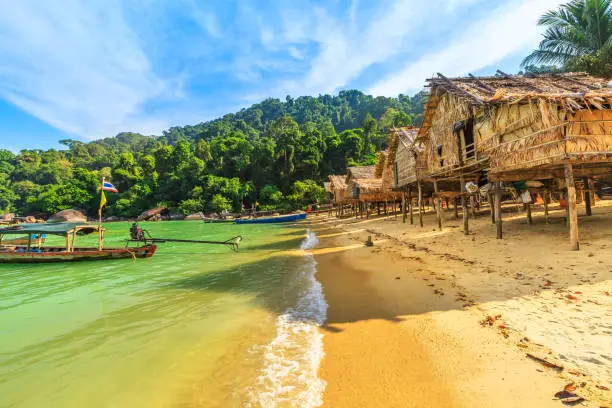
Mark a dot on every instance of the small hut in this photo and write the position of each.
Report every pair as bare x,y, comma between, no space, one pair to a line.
372,185
548,127
338,191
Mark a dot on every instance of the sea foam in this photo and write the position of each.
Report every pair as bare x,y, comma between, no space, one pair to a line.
291,360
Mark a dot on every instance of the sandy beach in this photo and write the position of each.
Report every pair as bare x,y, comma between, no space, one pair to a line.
436,318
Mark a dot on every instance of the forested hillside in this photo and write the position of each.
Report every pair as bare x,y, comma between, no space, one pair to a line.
275,152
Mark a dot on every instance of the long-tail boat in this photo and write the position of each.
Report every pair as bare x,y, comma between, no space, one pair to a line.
33,250
274,219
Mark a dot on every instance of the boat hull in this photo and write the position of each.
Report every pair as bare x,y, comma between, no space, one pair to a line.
80,254
274,220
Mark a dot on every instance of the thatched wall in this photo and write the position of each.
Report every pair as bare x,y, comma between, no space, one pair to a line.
538,133
441,136
590,132
338,188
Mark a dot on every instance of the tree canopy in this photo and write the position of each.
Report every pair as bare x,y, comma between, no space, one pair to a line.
276,153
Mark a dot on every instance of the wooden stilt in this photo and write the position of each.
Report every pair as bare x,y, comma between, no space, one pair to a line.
546,198
410,204
492,206
420,203
497,210
587,197
438,206
528,210
473,205
456,207
466,227
571,205
404,208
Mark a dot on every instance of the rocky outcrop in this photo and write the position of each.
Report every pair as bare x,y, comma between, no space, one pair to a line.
195,216
72,215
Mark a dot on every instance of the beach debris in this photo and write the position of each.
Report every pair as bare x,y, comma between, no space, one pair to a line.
545,362
490,320
575,372
572,297
570,387
397,278
369,241
569,398
602,387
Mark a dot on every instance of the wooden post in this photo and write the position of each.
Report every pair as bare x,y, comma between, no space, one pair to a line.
492,206
546,198
466,227
29,243
587,197
438,205
497,210
411,206
420,203
456,207
404,208
67,242
74,235
529,219
473,205
571,205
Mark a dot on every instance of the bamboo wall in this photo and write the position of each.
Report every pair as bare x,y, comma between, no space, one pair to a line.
450,110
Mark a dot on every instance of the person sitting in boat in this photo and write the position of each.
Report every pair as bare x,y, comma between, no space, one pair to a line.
136,233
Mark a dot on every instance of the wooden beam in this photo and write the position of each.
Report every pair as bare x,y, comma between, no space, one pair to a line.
484,87
571,204
466,227
438,206
519,81
574,81
498,212
29,244
420,187
587,197
460,91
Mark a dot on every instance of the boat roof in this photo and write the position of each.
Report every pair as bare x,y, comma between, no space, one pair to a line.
59,228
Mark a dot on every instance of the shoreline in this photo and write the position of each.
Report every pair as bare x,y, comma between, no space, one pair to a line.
404,317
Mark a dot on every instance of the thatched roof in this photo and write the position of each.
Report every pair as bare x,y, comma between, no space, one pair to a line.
573,91
369,185
361,172
337,182
327,186
405,135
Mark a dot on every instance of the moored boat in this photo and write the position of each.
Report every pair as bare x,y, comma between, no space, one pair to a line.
33,251
272,220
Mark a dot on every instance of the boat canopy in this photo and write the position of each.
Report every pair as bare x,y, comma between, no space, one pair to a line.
60,228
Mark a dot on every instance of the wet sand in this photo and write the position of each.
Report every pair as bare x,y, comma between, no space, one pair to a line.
404,320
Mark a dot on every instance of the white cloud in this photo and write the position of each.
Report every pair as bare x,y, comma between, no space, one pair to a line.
296,53
347,49
505,31
78,67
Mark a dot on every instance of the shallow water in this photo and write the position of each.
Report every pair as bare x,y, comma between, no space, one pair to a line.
194,326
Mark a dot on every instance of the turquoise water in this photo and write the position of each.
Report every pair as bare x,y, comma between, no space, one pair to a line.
194,326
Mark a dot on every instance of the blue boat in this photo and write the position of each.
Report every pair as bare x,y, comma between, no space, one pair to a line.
272,220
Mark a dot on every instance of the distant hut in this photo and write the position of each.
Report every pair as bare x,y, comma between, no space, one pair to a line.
549,127
338,190
372,185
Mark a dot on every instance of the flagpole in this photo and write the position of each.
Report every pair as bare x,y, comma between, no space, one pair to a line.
100,217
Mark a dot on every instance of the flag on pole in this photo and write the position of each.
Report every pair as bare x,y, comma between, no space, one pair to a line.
106,186
102,200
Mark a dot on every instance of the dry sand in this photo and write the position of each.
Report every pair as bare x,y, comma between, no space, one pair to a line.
404,320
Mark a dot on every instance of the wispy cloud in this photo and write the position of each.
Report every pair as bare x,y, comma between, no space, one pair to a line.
81,71
505,31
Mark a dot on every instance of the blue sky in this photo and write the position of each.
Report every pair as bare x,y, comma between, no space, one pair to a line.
90,69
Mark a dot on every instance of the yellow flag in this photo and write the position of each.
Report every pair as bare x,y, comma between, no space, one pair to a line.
102,200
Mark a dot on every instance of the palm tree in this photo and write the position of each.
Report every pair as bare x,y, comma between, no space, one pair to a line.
578,33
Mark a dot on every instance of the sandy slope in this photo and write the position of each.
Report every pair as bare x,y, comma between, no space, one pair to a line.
417,341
